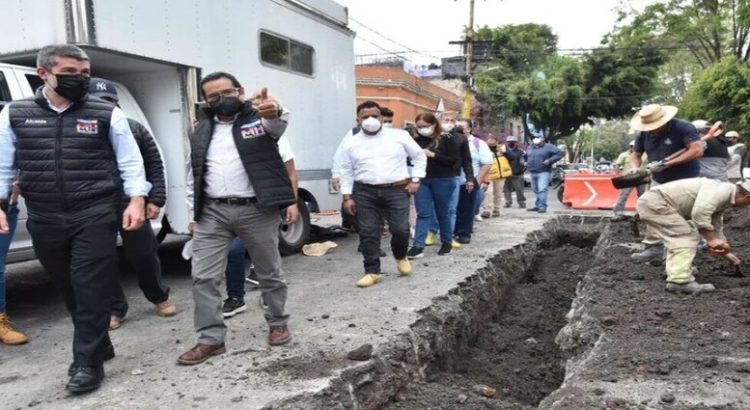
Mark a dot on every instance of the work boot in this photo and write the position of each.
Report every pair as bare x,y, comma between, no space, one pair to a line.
454,244
430,239
200,353
651,253
369,279
404,267
690,288
166,308
8,335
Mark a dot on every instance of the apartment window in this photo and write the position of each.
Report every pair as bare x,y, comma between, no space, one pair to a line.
287,54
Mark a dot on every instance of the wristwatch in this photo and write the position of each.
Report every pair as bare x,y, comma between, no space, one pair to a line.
416,180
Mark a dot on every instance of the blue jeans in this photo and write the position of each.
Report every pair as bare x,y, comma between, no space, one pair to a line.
540,186
434,199
466,211
235,272
5,240
452,207
480,199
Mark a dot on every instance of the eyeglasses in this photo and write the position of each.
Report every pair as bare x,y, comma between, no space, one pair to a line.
230,92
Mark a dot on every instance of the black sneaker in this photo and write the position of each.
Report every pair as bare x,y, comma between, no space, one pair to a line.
463,239
233,306
508,205
445,249
252,278
415,253
534,209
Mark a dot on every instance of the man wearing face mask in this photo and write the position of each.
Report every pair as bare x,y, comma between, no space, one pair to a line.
387,117
517,158
75,156
236,185
375,181
541,157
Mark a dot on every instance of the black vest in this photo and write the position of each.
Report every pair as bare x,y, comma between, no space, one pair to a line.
65,160
259,153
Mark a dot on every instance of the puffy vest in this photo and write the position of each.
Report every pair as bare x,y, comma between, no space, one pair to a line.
260,157
65,160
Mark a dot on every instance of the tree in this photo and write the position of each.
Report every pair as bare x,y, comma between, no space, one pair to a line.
708,29
722,92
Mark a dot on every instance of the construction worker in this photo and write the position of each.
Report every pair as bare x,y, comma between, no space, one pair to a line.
737,152
682,212
663,136
623,166
715,157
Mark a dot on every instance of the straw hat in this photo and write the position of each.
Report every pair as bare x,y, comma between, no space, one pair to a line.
652,116
704,126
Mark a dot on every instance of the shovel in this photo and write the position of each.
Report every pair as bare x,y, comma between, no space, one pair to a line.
643,176
736,263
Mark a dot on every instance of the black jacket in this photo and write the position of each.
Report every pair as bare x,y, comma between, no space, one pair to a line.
65,160
260,157
517,159
151,161
446,159
464,152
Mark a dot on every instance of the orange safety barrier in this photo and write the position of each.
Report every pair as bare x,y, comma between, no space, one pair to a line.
593,191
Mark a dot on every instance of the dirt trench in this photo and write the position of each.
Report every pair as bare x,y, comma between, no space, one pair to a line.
566,321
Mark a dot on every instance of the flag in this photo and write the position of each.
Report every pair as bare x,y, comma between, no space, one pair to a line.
440,109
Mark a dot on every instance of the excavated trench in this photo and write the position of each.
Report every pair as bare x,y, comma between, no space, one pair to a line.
494,332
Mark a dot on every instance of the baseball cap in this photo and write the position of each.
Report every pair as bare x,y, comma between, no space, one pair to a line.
511,138
101,88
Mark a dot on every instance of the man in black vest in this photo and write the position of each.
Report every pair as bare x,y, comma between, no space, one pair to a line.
140,247
75,155
237,184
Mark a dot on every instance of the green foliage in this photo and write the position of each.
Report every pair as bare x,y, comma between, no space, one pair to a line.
559,94
610,138
722,92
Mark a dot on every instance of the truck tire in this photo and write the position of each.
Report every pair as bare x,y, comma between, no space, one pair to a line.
293,237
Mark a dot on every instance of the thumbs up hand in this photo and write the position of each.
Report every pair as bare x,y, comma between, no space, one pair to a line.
268,108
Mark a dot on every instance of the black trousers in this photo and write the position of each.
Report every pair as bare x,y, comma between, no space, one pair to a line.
374,204
78,251
514,184
141,251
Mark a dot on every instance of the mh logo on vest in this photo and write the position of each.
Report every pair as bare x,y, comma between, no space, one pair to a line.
87,126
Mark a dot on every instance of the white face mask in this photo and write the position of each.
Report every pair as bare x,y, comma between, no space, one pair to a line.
371,125
388,125
448,127
426,131
537,141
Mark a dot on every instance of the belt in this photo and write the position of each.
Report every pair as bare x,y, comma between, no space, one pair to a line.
398,184
235,201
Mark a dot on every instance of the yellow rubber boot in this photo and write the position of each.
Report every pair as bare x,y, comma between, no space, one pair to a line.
430,239
404,267
8,335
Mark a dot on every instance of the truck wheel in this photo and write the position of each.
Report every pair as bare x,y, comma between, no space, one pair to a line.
293,236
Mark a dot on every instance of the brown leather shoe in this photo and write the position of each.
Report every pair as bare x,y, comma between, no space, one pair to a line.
200,353
166,308
278,335
115,322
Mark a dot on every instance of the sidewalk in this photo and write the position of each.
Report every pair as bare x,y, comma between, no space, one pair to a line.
329,317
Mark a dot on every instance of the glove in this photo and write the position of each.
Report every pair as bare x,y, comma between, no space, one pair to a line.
656,166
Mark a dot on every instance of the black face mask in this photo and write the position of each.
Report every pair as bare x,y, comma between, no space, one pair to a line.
511,145
493,148
226,106
72,87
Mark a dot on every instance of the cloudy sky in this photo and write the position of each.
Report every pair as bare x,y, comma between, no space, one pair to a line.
428,25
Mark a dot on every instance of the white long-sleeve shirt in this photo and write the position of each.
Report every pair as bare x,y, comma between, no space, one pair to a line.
380,158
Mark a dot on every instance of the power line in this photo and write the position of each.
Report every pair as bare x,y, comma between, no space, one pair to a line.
390,39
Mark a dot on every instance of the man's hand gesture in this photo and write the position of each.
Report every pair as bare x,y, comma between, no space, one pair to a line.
268,108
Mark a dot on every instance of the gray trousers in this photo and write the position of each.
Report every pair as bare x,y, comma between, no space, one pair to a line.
259,230
623,198
514,184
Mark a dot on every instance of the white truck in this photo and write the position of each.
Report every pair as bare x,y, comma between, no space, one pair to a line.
156,50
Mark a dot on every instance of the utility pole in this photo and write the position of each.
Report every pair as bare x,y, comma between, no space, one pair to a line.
468,97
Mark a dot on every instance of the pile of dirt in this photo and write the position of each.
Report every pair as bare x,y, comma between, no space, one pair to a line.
515,355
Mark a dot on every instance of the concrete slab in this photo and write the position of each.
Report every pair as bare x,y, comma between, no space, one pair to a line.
330,317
